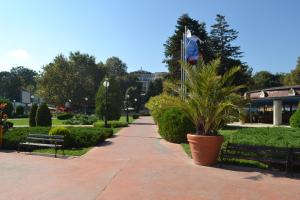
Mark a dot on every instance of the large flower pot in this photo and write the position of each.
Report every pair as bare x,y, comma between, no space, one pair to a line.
205,149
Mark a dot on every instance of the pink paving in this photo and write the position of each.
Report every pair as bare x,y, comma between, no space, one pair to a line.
135,165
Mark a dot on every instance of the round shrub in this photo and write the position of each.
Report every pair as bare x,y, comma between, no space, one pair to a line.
174,126
65,116
135,116
43,116
295,119
64,132
32,115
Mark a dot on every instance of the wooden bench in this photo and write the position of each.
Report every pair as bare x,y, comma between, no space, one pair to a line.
265,154
42,140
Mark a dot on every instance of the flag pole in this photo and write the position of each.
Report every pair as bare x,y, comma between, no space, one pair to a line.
184,57
181,69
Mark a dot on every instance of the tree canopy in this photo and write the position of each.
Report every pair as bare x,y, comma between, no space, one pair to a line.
72,78
293,78
265,79
173,44
114,67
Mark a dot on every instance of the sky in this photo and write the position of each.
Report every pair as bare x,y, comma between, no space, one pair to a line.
33,32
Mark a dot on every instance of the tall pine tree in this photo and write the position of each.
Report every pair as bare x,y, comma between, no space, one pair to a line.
221,38
173,44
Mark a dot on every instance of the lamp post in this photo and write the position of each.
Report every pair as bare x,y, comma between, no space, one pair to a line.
135,104
14,106
127,105
86,100
106,85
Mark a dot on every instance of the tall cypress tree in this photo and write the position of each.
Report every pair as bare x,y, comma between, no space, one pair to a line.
173,44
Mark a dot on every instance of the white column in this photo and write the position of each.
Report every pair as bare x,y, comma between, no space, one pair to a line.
277,112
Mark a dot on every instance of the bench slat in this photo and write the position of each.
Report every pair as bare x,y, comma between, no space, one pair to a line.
40,144
46,136
45,139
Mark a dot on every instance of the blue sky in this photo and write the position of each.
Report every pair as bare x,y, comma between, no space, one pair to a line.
33,32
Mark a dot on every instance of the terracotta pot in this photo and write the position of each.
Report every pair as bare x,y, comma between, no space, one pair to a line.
205,149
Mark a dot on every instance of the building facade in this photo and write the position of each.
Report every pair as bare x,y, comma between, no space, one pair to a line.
146,77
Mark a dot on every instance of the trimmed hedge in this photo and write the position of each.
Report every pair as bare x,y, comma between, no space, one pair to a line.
135,116
79,136
65,116
295,119
81,120
32,115
111,124
43,116
174,126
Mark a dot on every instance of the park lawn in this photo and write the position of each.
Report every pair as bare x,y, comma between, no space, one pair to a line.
25,122
274,136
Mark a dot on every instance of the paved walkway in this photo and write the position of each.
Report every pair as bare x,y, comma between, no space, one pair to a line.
135,165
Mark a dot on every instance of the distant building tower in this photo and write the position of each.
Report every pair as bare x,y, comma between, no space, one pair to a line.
144,77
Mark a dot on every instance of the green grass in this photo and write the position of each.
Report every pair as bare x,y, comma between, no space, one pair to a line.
25,122
68,152
277,136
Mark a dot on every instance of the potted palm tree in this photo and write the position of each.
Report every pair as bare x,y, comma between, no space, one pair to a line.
212,101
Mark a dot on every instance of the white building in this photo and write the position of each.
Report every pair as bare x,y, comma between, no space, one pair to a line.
146,77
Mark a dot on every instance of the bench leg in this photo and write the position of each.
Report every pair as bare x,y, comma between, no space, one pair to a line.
55,151
19,146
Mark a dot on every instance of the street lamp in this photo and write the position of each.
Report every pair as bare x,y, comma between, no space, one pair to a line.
106,85
14,106
86,100
135,101
127,105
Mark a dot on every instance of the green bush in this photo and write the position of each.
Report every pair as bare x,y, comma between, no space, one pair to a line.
114,101
135,116
9,107
20,110
32,115
88,137
59,130
295,119
13,136
81,120
111,124
157,106
79,136
174,126
65,116
43,116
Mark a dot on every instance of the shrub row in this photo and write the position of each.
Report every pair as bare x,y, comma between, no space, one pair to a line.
65,116
111,124
78,137
81,120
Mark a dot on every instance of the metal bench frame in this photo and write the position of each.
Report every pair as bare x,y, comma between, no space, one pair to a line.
42,140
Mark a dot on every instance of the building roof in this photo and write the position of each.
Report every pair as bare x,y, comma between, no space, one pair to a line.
274,93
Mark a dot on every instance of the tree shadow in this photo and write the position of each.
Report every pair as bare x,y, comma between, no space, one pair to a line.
142,123
262,172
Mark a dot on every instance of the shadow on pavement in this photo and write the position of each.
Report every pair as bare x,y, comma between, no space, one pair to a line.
142,123
271,172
